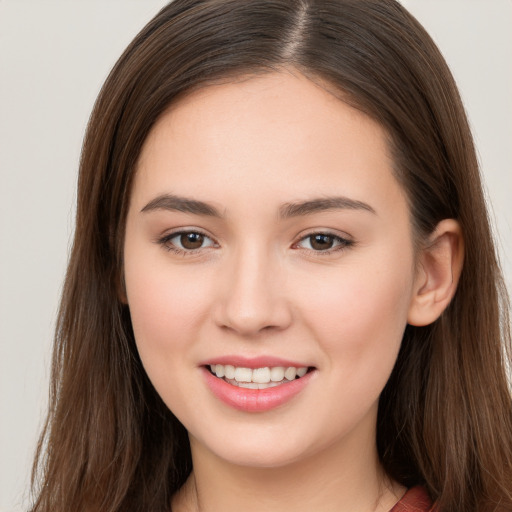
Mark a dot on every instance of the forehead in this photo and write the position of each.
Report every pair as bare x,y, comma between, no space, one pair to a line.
278,134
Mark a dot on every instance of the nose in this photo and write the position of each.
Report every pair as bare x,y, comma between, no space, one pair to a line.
253,298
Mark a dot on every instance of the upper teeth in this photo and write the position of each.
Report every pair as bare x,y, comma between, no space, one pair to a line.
258,375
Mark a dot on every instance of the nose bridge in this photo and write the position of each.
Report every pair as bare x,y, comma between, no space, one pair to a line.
253,296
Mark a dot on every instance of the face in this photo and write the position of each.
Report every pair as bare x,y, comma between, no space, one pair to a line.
267,241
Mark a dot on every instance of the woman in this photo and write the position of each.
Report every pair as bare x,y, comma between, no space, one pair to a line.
270,301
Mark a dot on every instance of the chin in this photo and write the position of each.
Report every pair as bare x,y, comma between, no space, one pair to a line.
245,449
261,459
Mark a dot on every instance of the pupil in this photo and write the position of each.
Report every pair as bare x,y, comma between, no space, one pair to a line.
321,242
192,240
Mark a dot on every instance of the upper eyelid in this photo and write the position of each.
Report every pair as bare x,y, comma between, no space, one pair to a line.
165,242
329,232
180,231
345,242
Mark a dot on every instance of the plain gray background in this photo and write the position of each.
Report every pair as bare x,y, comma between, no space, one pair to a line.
54,56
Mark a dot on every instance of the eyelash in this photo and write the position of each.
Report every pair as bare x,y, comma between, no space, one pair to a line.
166,243
342,243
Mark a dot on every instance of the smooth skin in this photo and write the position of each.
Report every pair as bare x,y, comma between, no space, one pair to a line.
234,267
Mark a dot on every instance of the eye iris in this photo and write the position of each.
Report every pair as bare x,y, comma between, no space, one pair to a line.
191,240
321,242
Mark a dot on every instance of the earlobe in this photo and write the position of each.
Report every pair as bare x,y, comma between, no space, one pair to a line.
440,266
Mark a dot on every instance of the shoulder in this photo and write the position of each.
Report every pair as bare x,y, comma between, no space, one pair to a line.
415,499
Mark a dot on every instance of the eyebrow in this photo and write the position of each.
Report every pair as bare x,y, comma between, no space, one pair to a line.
181,204
299,209
296,209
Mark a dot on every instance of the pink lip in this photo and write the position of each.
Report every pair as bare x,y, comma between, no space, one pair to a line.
253,362
254,400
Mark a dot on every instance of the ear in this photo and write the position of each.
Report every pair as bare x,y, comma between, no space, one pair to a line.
439,268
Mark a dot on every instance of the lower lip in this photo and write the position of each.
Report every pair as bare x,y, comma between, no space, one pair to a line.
255,400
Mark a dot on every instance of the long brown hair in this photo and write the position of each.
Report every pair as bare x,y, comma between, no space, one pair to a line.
445,416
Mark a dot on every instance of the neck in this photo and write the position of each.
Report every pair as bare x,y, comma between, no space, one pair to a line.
337,479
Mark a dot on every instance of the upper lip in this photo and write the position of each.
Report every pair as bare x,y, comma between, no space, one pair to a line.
253,362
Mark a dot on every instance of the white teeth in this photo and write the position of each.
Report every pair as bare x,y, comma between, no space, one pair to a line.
229,371
260,377
302,371
277,374
290,373
243,374
268,385
248,385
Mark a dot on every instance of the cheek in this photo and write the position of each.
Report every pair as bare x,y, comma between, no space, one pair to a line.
359,316
165,309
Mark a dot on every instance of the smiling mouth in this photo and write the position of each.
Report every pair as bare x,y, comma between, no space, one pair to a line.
257,378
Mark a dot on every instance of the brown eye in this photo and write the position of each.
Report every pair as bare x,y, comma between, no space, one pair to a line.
321,242
186,241
191,241
324,242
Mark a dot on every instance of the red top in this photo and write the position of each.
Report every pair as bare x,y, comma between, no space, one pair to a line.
414,500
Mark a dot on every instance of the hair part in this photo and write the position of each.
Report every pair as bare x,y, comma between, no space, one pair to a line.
445,416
